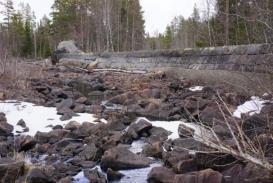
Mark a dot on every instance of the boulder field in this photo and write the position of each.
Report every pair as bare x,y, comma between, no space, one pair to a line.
102,151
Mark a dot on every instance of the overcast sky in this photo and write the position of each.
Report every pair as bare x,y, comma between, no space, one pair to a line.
157,13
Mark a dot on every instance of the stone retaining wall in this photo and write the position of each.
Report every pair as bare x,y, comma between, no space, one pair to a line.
249,58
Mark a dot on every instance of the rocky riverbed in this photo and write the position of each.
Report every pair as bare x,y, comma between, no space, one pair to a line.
118,127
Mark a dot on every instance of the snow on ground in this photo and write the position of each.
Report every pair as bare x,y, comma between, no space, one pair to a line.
196,88
254,106
37,118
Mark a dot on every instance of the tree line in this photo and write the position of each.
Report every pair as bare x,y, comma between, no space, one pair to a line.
118,25
96,26
222,22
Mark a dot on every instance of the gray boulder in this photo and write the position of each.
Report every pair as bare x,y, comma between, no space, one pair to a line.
69,47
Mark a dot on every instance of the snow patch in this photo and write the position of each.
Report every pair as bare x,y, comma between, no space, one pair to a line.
196,88
171,126
254,106
37,118
137,146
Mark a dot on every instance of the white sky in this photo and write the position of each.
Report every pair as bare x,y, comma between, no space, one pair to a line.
157,13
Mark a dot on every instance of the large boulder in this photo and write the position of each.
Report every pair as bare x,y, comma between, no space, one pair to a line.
10,170
69,47
120,158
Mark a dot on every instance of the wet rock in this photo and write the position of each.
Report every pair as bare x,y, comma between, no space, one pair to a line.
161,174
22,123
95,176
113,175
37,176
10,170
120,158
203,176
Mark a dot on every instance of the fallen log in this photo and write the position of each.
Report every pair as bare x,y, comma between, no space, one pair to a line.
79,69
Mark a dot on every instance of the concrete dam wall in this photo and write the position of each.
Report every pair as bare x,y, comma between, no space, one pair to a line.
247,58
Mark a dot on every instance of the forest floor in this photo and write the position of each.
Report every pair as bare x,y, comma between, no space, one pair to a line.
103,124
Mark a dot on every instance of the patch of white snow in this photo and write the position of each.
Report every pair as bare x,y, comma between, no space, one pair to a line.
196,88
37,118
254,106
